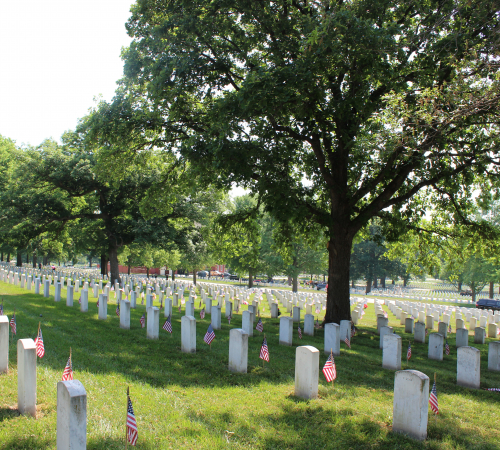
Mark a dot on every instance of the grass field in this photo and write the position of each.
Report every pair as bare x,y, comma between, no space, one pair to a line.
192,401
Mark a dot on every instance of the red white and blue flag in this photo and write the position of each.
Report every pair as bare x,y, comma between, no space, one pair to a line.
167,326
131,424
40,349
143,321
210,335
433,399
13,324
300,332
260,325
264,351
329,370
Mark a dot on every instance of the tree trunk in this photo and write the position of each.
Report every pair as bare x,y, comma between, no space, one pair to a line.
173,275
128,269
473,290
90,261
8,260
352,284
147,272
295,284
19,262
250,279
382,282
104,264
289,280
194,277
375,285
491,289
405,282
1,257
34,260
459,286
113,262
338,305
45,260
368,286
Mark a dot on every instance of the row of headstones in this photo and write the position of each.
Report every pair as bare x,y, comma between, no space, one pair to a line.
468,360
421,310
410,403
71,396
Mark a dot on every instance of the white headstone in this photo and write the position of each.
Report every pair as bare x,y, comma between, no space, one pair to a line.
332,339
306,371
479,335
188,334
57,295
494,356
69,296
216,317
410,404
409,323
168,307
153,322
46,288
247,322
4,344
71,415
286,330
274,310
309,325
103,307
462,337
84,297
296,314
238,350
419,335
436,344
391,352
125,315
468,367
26,376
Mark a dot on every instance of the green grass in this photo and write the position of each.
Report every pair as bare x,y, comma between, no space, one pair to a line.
193,401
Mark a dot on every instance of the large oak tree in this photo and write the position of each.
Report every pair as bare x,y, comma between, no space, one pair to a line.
333,112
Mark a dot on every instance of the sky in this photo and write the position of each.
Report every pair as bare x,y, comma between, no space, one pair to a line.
56,57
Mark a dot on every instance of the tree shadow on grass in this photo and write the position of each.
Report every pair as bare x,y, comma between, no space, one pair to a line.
8,413
27,443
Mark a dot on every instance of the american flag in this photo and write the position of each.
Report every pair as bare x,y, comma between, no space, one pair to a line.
408,353
316,325
40,349
131,424
347,341
329,370
449,328
317,310
447,348
300,332
68,371
143,321
426,331
118,310
97,303
1,309
229,319
202,313
493,389
264,351
433,399
210,335
167,326
353,330
80,299
260,325
13,325
180,308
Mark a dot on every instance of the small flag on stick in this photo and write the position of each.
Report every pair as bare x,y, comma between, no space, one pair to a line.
40,349
167,326
329,370
300,332
433,400
408,352
202,313
347,341
118,310
13,324
131,426
260,325
1,308
210,335
447,348
68,370
143,321
264,351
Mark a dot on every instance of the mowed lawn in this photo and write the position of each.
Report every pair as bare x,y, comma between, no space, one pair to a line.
192,400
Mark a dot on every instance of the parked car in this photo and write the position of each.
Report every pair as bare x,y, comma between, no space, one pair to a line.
467,292
488,303
202,273
233,277
321,286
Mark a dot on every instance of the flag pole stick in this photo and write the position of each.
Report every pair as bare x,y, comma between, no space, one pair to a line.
435,415
126,418
331,356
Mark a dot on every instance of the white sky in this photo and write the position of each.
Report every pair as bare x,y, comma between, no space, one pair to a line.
55,57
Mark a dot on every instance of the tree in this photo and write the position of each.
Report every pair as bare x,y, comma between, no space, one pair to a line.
331,113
